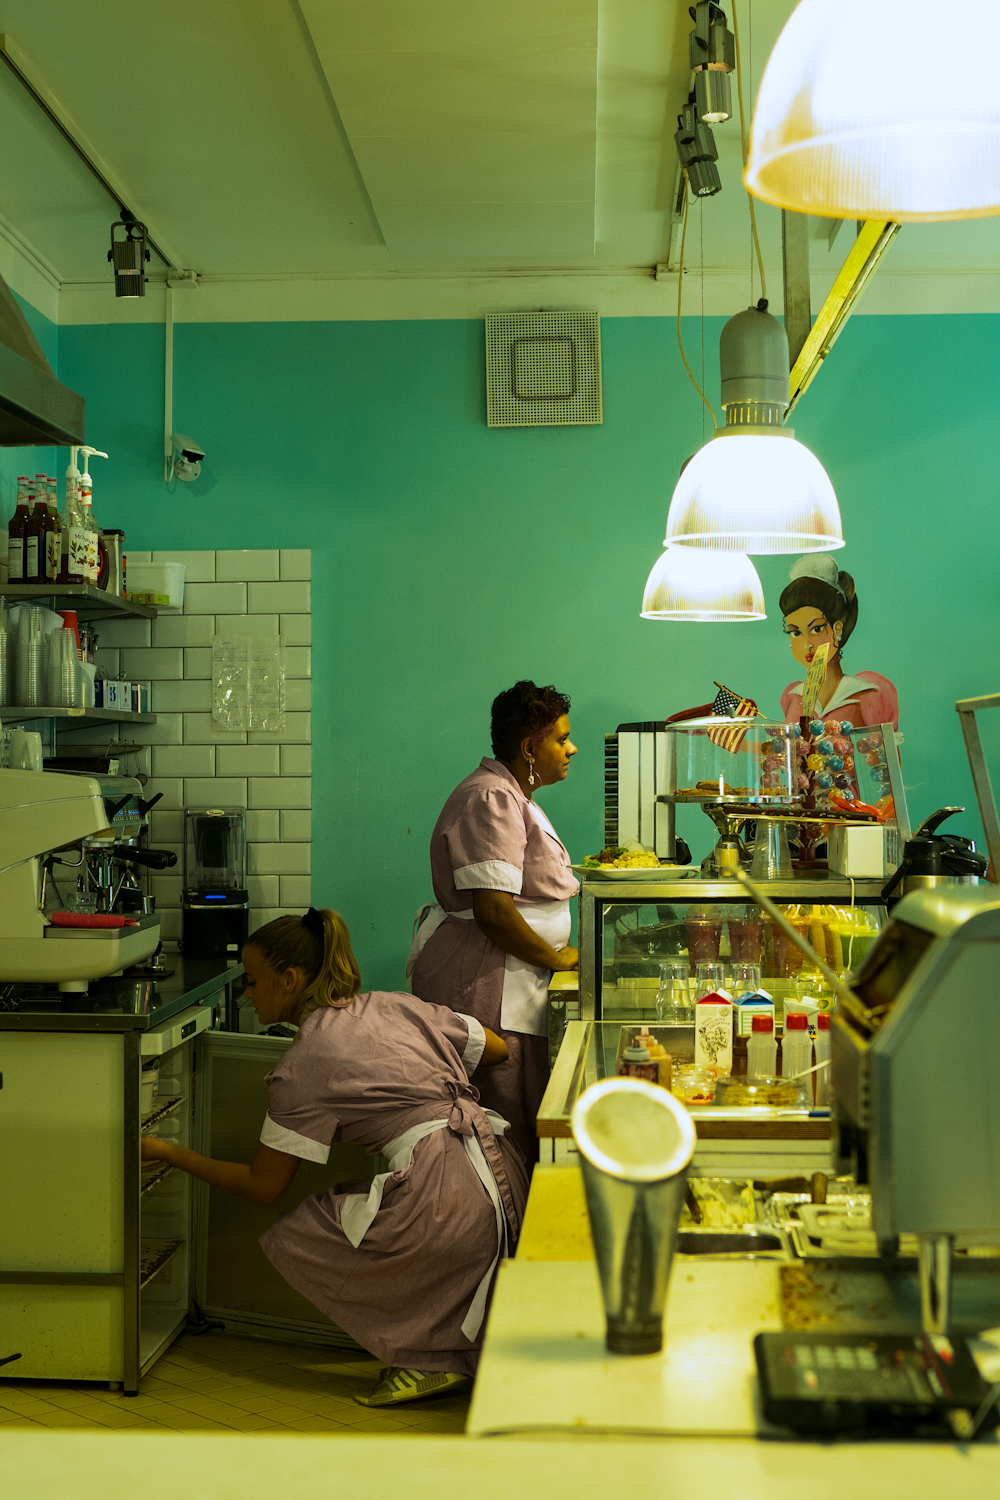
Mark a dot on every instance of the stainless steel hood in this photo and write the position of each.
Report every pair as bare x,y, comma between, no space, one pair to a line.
35,409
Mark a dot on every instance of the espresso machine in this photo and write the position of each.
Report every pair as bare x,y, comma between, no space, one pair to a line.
914,1061
42,812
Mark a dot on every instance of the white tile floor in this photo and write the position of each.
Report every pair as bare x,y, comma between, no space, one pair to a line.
217,1383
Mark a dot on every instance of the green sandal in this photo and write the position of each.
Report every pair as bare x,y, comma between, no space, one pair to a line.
396,1385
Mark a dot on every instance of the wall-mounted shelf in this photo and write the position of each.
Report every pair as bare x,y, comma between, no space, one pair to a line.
78,718
89,602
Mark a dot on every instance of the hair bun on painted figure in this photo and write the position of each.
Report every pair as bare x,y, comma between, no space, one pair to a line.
823,565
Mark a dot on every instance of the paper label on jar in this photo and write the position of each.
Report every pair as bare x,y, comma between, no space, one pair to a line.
52,556
15,560
31,557
650,1071
713,1037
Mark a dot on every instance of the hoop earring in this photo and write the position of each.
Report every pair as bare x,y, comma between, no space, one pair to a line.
531,771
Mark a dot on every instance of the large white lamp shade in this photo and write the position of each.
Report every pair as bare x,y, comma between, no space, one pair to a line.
755,492
865,113
688,584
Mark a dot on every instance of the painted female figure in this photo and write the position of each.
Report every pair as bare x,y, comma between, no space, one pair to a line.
820,606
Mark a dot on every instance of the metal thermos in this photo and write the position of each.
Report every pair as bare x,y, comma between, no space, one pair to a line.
932,859
636,1143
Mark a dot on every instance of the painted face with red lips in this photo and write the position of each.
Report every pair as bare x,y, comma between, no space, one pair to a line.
808,628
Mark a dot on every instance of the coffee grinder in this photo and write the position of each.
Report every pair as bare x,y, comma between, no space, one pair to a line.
215,901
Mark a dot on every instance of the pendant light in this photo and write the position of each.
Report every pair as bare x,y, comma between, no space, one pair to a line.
753,487
687,583
860,114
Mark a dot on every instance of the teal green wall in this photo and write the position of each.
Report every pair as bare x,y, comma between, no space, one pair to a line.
449,559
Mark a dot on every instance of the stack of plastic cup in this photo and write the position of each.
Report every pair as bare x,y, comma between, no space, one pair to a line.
64,670
6,657
29,680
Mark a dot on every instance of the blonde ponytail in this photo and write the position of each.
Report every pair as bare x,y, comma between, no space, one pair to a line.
320,945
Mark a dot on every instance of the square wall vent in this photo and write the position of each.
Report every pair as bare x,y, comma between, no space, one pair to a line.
543,369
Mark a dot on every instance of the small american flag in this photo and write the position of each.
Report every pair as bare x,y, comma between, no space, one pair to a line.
728,706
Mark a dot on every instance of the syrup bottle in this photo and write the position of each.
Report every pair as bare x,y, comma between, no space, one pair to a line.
16,529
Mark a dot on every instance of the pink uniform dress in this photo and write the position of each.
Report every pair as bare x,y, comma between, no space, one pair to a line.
405,1264
868,698
491,837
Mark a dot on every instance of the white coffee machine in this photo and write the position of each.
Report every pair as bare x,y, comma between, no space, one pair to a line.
41,812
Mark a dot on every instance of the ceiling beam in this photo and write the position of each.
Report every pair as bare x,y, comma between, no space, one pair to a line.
15,63
862,261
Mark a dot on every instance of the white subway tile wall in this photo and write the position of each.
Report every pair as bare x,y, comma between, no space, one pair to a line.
190,764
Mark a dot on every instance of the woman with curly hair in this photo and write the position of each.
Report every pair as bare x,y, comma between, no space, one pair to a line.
405,1263
503,884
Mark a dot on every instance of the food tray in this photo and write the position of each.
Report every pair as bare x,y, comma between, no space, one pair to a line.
163,1108
152,1174
663,872
153,1256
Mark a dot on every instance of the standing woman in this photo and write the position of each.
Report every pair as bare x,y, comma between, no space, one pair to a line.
404,1264
503,884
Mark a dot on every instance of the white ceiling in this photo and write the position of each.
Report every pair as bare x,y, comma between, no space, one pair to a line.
290,138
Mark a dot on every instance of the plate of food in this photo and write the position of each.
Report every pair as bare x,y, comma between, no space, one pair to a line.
620,863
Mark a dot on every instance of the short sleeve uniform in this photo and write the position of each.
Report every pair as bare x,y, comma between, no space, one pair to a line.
367,1073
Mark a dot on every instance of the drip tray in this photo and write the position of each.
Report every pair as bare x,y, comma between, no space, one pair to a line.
882,1295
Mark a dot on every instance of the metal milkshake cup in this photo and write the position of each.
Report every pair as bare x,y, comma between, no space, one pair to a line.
636,1143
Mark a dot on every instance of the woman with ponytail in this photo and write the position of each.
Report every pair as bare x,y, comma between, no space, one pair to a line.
404,1264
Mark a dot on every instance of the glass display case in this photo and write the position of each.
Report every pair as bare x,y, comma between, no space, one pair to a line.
734,1141
747,762
648,949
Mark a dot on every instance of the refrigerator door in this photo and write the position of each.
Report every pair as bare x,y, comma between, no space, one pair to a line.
234,1281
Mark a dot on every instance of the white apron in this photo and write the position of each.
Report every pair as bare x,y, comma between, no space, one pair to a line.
359,1209
523,1006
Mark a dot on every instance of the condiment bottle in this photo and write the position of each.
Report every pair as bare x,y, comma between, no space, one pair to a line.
54,540
762,1049
635,1062
657,1054
823,1056
73,553
16,528
36,535
796,1049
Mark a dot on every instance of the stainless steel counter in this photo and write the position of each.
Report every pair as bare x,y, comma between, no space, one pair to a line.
123,1004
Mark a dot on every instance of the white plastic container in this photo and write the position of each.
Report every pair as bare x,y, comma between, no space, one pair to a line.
147,1089
762,1049
823,1056
163,581
797,1048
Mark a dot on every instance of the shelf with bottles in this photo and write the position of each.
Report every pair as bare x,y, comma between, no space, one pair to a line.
90,602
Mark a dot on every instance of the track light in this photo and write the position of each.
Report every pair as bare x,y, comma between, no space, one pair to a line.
128,255
698,152
712,54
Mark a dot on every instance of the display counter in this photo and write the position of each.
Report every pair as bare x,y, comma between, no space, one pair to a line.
638,936
754,1143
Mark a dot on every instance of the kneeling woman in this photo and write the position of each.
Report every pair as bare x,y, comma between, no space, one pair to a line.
405,1265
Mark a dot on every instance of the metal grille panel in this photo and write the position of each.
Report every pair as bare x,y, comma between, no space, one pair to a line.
543,369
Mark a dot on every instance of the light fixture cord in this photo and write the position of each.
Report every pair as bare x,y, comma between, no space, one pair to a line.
743,147
680,291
